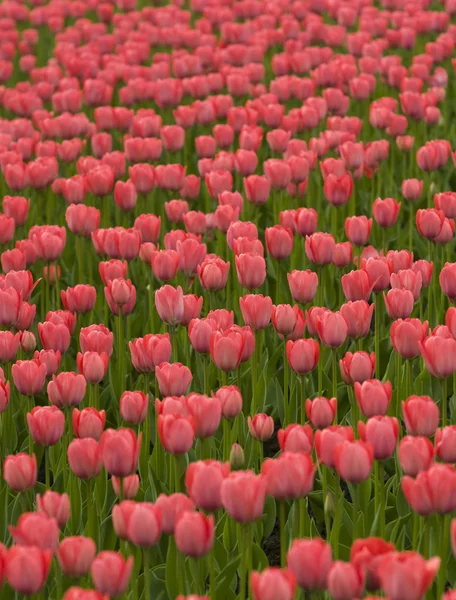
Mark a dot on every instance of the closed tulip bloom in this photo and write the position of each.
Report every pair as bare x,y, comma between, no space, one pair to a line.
177,432
150,351
16,207
130,486
213,273
445,444
338,189
366,554
36,529
29,376
407,279
55,506
261,427
358,316
257,187
439,355
54,337
230,400
381,433
386,211
144,525
279,241
111,573
256,310
121,514
203,480
399,260
169,302
192,308
92,365
433,491
303,285
165,264
285,318
278,172
447,279
251,270
421,415
450,321
416,454
373,397
303,355
19,471
273,583
173,379
28,341
290,476
46,425
120,295
406,336
295,438
320,248
357,285
429,222
399,303
357,367
206,413
4,396
27,568
88,423
342,255
194,534
358,229
412,189
112,269
49,358
75,555
345,580
66,389
406,575
199,333
378,271
321,412
226,349
332,329
172,508
120,450
133,407
243,495
80,299
13,260
310,560
353,460
85,458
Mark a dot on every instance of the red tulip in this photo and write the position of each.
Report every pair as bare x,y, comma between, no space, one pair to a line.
177,432
46,425
357,367
273,583
303,355
133,407
144,524
421,415
439,355
120,450
407,335
295,438
345,580
92,365
36,529
367,554
75,555
320,248
111,573
381,433
373,397
55,506
226,349
310,560
85,458
290,476
243,495
194,534
332,329
353,460
27,568
203,480
261,427
416,454
407,574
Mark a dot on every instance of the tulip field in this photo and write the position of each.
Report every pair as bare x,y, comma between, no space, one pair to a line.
227,299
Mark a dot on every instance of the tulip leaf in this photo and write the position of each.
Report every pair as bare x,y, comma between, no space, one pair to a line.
225,578
259,559
173,562
269,516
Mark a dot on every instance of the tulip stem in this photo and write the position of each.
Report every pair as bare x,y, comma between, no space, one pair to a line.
146,572
175,460
253,408
206,360
355,500
303,401
90,515
278,284
31,403
398,385
377,334
283,544
150,289
324,489
334,379
47,474
416,525
444,400
57,286
408,378
226,439
338,505
286,408
58,578
243,561
381,480
211,560
443,554
320,375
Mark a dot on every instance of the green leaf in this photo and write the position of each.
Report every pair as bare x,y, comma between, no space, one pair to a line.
259,559
224,578
269,516
172,559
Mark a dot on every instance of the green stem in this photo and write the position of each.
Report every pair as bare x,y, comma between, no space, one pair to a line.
334,378
175,460
381,480
445,542
286,408
206,360
254,376
243,562
146,572
377,334
283,544
355,500
278,284
120,349
444,401
57,286
211,561
303,400
324,487
398,385
47,474
226,439
338,504
416,524
150,290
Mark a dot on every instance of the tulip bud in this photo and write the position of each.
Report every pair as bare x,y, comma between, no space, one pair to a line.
237,458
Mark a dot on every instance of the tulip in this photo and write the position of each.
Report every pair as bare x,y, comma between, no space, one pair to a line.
243,495
357,367
412,189
303,285
407,335
408,280
143,527
448,281
92,365
356,285
382,433
206,413
77,593
29,376
290,476
358,229
54,505
279,241
421,415
111,573
150,351
130,486
80,299
27,568
256,310
367,554
386,211
345,580
416,454
120,451
75,555
177,432
378,270
251,270
358,316
295,438
321,411
353,460
230,400
203,480
120,296
399,303
46,425
429,222
88,423
226,349
406,575
332,329
36,529
310,560
85,458
66,389
338,189
169,302
194,534
303,355
133,407
342,255
439,355
261,427
213,274
373,397
19,471
273,583
320,248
